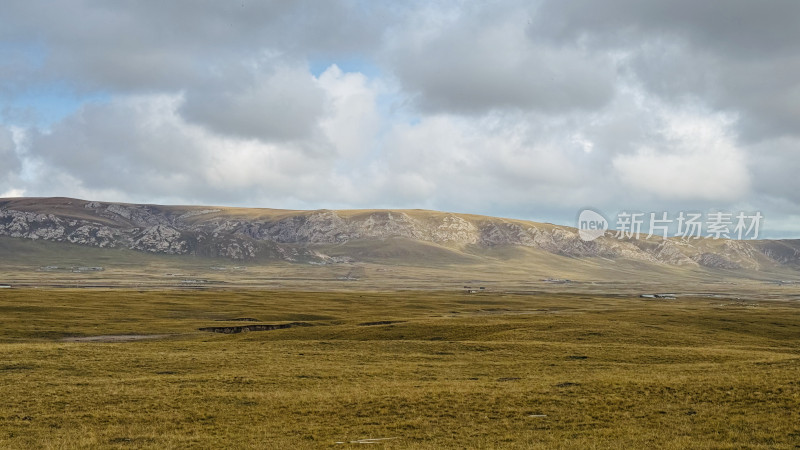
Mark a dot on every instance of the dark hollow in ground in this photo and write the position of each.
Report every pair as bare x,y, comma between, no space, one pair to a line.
246,328
380,322
239,319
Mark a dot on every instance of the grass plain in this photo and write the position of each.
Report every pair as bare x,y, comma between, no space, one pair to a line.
428,369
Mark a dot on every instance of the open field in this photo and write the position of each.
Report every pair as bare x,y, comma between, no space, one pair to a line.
429,369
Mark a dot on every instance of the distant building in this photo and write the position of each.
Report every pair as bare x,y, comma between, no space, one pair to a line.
5,286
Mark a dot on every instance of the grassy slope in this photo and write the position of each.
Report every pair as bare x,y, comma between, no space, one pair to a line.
394,264
459,371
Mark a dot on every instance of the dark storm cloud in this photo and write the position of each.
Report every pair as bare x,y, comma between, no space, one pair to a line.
135,45
737,28
484,61
736,55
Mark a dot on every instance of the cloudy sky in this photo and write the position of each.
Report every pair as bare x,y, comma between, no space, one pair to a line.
521,109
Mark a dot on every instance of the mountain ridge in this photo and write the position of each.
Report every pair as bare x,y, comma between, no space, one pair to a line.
335,236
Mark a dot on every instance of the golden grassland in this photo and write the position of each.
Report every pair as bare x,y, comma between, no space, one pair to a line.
451,370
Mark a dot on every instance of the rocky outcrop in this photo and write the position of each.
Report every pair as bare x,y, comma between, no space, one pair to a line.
161,239
715,260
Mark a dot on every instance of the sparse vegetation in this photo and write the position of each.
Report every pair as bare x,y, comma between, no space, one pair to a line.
432,370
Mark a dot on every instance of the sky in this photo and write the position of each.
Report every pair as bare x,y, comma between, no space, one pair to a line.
524,109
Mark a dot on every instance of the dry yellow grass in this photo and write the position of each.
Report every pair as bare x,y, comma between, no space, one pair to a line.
452,371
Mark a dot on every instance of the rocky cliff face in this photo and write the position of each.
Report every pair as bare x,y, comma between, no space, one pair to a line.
303,235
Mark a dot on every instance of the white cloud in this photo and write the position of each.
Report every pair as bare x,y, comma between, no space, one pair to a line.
352,119
285,103
141,147
13,193
10,163
693,155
